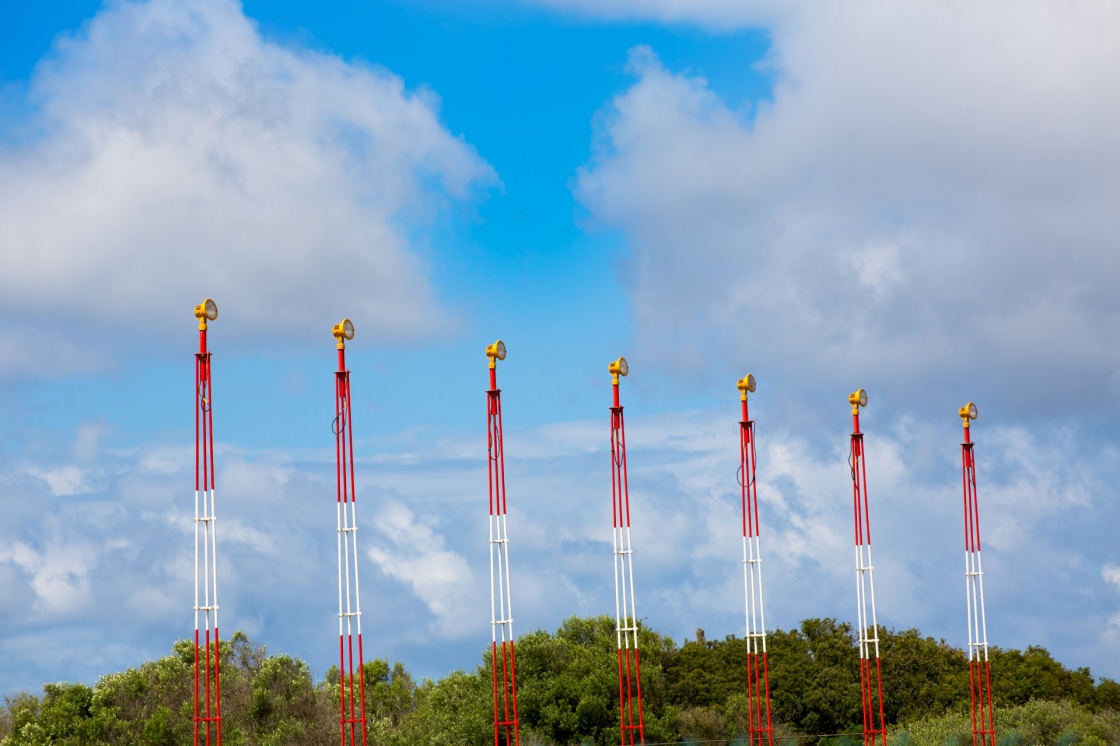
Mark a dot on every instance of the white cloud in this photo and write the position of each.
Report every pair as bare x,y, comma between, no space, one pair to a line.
412,552
58,574
173,153
928,195
63,480
117,563
1111,574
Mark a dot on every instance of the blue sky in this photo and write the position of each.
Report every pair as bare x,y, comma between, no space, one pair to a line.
918,200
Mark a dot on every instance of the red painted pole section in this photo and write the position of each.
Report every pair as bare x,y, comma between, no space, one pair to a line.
758,667
979,671
871,672
206,684
502,658
351,672
631,723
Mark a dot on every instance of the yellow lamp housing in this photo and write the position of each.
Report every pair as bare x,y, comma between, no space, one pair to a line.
745,384
343,330
496,351
857,399
968,412
619,367
205,311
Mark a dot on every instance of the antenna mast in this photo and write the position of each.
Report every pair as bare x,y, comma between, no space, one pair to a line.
207,658
501,605
758,667
979,672
631,725
871,677
351,682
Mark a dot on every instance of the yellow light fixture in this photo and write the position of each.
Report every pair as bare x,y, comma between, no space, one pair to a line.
496,351
967,412
619,368
205,311
343,330
857,399
745,384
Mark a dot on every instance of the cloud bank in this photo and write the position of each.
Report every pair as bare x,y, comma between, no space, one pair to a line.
97,581
928,195
170,153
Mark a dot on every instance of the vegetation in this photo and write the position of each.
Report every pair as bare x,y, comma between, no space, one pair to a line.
692,693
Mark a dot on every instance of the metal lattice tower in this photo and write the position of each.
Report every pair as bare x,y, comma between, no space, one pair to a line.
758,667
207,658
979,672
351,678
631,724
870,675
501,606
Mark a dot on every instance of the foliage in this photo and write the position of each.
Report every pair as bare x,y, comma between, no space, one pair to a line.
1018,677
568,682
1034,723
568,694
266,700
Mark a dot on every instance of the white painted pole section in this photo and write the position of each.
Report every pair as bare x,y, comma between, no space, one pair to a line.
871,583
354,541
341,607
861,605
619,590
197,526
633,626
493,592
214,553
505,566
761,604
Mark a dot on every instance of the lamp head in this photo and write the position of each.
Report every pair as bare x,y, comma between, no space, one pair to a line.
619,368
746,384
967,412
342,331
205,311
495,352
857,399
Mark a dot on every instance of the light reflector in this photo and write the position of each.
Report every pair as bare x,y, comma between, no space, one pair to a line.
496,351
207,309
343,329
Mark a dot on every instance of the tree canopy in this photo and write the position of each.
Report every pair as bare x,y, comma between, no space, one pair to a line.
567,694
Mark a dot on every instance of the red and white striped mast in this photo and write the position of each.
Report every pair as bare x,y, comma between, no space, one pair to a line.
631,725
501,606
979,673
351,680
871,677
758,667
207,659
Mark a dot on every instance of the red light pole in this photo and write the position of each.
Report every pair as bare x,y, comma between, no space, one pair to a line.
207,659
351,679
758,668
501,605
871,679
631,725
979,673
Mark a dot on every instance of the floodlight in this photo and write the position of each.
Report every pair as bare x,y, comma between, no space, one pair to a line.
206,310
967,412
343,330
619,367
857,399
496,351
747,383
